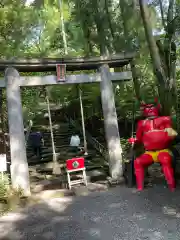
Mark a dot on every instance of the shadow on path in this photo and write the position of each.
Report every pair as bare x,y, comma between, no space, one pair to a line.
118,214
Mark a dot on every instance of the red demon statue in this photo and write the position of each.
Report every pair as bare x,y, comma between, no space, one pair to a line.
156,134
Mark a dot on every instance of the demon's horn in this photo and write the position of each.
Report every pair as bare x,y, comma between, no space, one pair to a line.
157,102
156,99
143,104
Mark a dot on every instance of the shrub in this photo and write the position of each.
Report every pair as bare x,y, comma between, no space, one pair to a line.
125,148
4,186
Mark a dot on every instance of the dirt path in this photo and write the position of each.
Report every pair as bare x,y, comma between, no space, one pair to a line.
117,214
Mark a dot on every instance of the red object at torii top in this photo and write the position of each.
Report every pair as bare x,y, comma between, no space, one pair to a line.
61,72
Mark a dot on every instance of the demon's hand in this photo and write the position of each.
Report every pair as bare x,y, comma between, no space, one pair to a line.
171,132
132,140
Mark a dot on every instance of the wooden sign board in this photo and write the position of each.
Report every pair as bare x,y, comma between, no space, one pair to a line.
61,72
3,163
75,164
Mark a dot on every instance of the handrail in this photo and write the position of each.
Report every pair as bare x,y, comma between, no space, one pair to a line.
28,131
93,141
101,147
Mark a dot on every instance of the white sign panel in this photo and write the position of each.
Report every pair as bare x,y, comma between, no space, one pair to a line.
3,163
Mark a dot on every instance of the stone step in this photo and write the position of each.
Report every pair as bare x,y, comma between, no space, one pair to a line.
45,124
45,127
93,163
89,167
57,123
57,134
57,141
48,167
48,142
29,148
57,146
66,137
62,134
61,147
63,157
64,152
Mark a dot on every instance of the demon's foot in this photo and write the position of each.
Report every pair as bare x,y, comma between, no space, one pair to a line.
172,188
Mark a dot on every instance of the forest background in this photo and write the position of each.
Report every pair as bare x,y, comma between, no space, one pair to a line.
84,28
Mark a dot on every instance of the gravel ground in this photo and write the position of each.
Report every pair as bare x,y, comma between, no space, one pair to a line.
117,214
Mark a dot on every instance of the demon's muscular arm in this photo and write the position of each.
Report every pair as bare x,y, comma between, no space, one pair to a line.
167,126
166,122
139,133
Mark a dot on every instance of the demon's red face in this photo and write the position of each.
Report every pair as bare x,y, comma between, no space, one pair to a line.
150,110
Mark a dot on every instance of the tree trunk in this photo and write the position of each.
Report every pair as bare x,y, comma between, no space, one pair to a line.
128,45
162,14
164,91
99,18
62,27
109,19
123,4
88,46
3,139
83,16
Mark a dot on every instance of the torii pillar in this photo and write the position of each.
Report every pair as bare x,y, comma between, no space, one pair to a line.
111,124
19,164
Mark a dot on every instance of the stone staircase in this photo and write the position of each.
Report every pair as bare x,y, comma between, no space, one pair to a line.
62,131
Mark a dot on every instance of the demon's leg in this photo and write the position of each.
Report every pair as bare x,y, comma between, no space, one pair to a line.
139,164
166,162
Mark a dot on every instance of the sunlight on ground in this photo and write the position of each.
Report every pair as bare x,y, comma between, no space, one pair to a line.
8,223
59,205
115,205
171,211
94,232
156,236
139,216
99,216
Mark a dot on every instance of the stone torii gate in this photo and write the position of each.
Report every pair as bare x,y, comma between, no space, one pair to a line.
13,81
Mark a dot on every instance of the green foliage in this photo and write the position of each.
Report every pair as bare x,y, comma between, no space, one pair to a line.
125,148
15,28
4,186
91,27
30,101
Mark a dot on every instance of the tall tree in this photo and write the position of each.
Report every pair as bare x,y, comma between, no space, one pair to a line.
160,73
128,43
63,27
